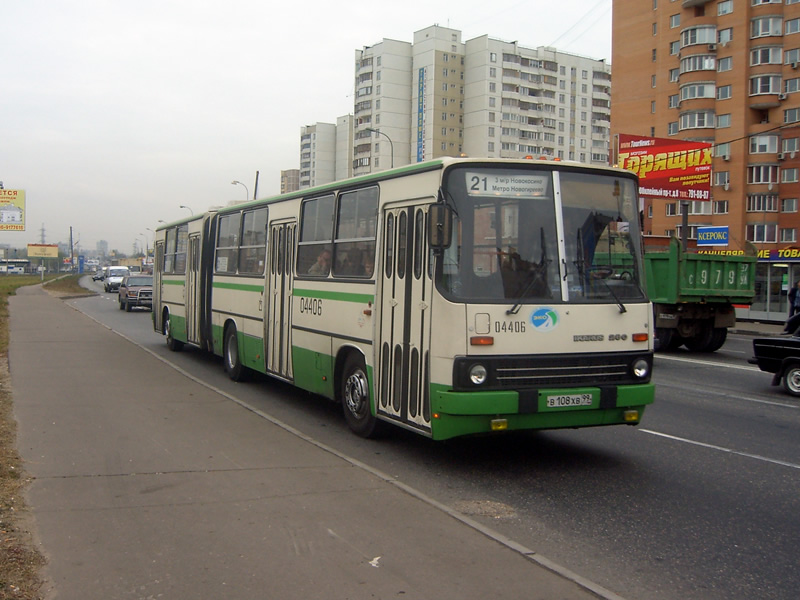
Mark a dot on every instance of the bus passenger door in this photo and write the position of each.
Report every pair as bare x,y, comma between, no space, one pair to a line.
158,265
191,290
402,366
277,323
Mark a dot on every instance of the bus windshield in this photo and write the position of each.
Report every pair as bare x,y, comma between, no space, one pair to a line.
541,235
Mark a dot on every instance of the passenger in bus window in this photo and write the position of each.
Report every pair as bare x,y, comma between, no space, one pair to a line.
352,263
323,265
369,265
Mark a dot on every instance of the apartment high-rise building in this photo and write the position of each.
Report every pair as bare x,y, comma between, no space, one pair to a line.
290,180
317,154
724,72
439,96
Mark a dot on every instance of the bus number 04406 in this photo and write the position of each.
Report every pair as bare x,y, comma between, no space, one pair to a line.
311,305
509,326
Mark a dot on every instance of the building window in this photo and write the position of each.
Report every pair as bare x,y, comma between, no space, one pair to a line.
721,178
763,144
655,28
698,35
789,205
725,64
762,203
675,21
672,128
766,233
723,121
674,48
762,174
791,115
788,234
696,120
789,175
765,27
791,57
723,92
770,55
791,85
725,36
671,209
698,90
725,7
673,101
790,145
722,150
720,207
792,26
765,84
698,62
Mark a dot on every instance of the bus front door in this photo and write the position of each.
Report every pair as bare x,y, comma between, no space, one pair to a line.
402,369
278,319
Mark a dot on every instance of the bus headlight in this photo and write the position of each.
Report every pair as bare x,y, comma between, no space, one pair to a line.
477,374
640,368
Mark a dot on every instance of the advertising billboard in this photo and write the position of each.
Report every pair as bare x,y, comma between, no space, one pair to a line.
667,168
42,250
12,210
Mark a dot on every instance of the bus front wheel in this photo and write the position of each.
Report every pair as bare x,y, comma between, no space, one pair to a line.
230,354
354,392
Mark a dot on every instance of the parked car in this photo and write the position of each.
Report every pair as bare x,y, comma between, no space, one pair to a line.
114,277
136,290
779,355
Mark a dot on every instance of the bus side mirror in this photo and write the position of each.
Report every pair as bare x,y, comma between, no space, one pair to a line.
440,232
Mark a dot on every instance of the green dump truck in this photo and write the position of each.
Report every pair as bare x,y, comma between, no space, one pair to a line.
693,294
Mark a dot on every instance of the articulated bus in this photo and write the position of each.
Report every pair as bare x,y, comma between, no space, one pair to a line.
452,297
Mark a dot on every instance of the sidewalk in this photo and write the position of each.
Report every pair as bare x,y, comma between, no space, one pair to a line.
159,487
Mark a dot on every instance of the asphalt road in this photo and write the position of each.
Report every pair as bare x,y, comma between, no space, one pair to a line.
700,501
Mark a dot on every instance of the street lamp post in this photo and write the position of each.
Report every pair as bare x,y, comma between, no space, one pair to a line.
246,191
187,208
391,145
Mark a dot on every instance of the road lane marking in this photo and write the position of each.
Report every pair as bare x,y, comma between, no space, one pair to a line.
708,363
782,463
736,397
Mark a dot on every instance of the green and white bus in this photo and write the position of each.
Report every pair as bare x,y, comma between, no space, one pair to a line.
452,297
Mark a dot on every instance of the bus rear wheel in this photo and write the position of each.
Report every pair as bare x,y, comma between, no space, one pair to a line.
172,343
230,355
354,395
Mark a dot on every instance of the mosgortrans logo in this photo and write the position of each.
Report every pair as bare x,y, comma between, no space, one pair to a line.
544,318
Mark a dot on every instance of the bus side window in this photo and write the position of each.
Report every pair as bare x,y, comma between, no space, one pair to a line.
316,237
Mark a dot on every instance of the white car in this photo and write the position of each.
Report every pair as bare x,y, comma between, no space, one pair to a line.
114,277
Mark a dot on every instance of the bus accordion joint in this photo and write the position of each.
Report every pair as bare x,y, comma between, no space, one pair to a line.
640,337
481,340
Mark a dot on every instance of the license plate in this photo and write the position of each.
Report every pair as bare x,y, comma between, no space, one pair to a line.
567,400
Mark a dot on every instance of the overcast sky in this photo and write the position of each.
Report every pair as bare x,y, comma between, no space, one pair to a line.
114,113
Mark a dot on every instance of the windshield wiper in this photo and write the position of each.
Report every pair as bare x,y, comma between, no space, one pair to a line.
538,275
621,306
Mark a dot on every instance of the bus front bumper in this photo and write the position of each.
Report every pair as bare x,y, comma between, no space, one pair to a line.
463,413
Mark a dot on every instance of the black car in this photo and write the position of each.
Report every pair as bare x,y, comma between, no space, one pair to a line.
779,355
